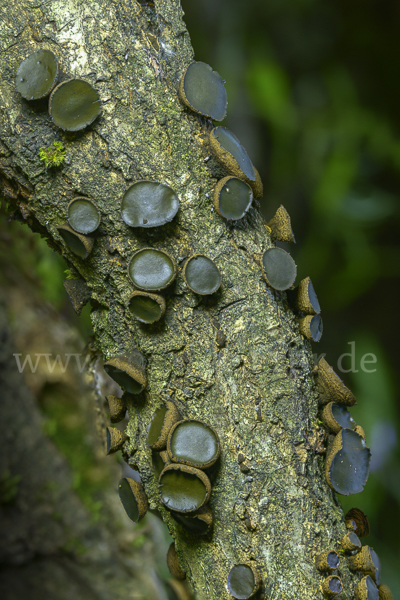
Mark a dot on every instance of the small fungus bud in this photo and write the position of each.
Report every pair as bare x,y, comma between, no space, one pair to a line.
78,244
149,204
384,592
117,408
367,590
147,308
83,215
232,198
347,463
202,275
307,300
128,372
160,425
280,226
243,581
199,524
279,268
311,327
183,489
133,498
115,440
351,542
173,563
193,443
74,104
78,292
336,417
367,562
355,515
36,75
331,586
231,154
202,90
151,270
327,561
331,387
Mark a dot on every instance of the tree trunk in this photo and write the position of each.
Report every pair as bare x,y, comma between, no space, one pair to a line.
257,390
52,547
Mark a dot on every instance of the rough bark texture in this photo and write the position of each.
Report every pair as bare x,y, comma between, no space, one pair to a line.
51,546
257,390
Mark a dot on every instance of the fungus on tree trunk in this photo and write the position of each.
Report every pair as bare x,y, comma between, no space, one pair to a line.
202,90
149,204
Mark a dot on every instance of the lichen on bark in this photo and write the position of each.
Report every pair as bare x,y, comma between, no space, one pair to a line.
256,389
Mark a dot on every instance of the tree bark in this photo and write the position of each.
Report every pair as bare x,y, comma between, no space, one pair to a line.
52,547
258,390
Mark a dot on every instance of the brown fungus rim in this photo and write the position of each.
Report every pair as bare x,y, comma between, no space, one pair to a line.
361,521
139,495
204,515
156,297
117,407
284,253
123,364
303,301
173,563
281,227
217,193
185,100
189,471
171,417
333,451
201,466
329,420
116,439
331,387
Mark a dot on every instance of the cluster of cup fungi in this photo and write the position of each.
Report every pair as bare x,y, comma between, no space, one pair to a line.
186,451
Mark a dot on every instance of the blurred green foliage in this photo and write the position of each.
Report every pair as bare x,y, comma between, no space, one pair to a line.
313,93
26,260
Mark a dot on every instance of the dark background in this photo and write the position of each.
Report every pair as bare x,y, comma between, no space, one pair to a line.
313,91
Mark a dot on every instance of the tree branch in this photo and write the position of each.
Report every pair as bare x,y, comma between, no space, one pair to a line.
257,390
